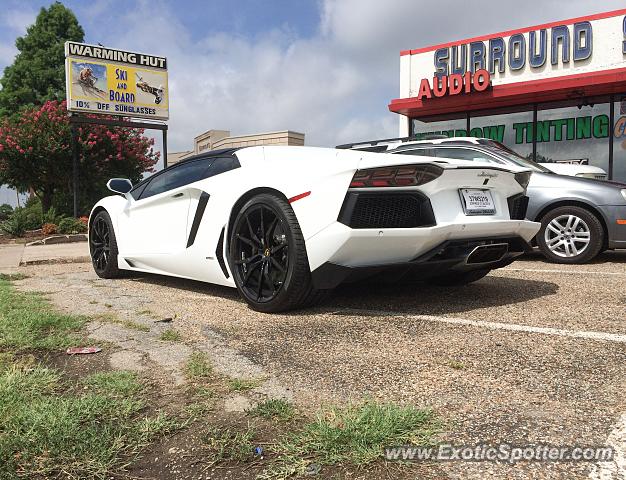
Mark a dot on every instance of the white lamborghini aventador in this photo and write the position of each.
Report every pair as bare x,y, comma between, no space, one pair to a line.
286,224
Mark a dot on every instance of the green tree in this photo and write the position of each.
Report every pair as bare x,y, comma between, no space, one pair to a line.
35,155
38,72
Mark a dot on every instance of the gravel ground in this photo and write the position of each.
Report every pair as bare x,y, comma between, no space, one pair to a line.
487,385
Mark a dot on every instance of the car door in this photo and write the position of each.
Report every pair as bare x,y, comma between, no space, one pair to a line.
156,222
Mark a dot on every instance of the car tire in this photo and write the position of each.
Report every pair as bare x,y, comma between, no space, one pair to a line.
570,235
103,246
267,256
457,279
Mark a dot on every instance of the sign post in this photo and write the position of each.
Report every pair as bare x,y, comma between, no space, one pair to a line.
112,85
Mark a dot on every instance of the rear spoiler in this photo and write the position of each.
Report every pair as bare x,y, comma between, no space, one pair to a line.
381,144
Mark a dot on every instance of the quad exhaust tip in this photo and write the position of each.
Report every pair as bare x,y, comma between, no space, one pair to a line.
488,253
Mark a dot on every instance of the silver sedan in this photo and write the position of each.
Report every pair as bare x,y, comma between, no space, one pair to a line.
580,217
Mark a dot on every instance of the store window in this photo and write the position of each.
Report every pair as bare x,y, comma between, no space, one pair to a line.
574,134
454,127
619,141
514,129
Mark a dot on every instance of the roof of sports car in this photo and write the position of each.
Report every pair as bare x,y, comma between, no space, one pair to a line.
223,152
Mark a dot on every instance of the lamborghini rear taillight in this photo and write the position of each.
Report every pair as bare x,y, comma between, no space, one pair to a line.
396,176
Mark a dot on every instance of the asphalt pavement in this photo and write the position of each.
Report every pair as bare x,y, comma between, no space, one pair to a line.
532,354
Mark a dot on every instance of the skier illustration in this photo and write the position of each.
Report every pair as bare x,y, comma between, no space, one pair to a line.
86,76
87,82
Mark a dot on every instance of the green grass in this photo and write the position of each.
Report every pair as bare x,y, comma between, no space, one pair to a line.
198,366
456,364
114,384
274,409
48,430
12,276
170,335
28,322
202,402
353,435
198,370
6,360
130,324
226,444
51,428
135,325
242,385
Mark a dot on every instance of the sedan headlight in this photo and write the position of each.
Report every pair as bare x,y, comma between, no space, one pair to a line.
597,176
624,193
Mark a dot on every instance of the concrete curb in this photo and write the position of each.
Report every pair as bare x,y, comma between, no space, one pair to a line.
57,239
55,261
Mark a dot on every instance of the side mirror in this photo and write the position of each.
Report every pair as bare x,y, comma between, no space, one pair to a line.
120,185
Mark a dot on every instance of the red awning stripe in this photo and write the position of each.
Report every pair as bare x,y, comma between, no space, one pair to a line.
519,93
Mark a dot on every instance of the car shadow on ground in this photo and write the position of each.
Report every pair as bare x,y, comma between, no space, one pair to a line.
185,284
414,298
423,299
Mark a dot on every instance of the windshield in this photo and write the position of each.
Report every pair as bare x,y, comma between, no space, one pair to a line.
508,154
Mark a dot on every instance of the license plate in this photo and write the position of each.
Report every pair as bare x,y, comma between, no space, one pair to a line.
477,202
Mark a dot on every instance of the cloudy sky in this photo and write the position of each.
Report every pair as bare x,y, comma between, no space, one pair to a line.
327,68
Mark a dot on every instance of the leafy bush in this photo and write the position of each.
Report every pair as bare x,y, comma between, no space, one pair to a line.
49,229
70,226
17,223
51,216
5,211
32,211
34,216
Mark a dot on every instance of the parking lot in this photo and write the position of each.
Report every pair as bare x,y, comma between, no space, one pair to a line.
533,353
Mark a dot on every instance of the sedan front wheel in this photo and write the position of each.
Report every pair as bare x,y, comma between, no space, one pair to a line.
570,235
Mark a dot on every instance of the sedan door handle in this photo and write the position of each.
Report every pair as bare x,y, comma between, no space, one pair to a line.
178,195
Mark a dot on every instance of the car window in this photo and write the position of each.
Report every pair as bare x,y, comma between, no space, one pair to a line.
465,154
222,164
138,190
427,152
183,174
513,156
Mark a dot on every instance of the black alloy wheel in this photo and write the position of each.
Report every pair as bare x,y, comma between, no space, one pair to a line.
268,257
103,246
263,253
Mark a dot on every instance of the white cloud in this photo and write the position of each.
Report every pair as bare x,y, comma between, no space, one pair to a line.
334,86
7,54
19,19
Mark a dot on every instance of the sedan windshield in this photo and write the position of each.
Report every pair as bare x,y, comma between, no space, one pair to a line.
508,154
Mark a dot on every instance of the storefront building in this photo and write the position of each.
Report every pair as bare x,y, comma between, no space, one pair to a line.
553,92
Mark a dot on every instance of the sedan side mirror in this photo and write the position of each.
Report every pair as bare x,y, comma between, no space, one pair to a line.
120,185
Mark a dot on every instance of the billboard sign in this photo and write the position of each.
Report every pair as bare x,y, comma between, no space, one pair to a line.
115,82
